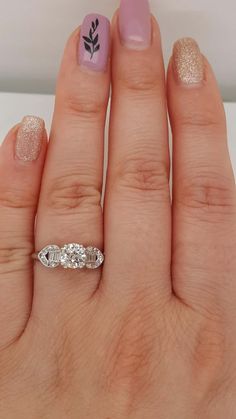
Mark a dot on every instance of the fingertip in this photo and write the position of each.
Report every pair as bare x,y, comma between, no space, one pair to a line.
155,32
25,142
114,18
8,143
188,66
191,79
69,55
11,132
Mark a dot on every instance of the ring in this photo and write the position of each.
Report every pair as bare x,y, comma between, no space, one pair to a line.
72,256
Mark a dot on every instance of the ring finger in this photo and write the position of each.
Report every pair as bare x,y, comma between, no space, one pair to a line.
69,208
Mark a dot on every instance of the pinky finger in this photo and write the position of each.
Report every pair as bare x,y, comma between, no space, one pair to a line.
204,195
21,163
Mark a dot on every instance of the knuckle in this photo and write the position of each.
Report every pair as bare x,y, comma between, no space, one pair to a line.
16,198
138,77
83,106
72,192
201,120
14,258
81,101
210,193
143,175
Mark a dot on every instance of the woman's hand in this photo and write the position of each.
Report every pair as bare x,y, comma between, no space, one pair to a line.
151,334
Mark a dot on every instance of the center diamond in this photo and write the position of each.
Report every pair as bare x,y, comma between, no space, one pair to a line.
73,256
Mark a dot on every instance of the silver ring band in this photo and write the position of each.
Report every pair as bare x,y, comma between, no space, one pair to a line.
72,256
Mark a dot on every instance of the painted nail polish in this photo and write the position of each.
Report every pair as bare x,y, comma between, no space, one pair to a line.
94,42
29,138
135,23
188,62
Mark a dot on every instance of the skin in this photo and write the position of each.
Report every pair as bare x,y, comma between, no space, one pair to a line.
152,334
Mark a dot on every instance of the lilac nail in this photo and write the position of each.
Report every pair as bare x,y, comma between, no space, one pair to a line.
135,23
94,42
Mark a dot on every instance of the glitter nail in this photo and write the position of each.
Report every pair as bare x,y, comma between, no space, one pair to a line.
188,61
29,138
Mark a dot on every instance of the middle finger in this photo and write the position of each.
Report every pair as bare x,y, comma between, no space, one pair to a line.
138,210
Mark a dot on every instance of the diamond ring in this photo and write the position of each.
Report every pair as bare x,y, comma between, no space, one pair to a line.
72,256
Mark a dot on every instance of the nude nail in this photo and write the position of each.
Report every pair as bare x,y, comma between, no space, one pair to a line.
29,138
188,62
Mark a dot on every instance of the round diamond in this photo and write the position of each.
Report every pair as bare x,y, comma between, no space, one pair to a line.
94,258
73,256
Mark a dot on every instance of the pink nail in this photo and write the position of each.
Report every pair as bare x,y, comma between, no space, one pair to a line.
135,23
94,42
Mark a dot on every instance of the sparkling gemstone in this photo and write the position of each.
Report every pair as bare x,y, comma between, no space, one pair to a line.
50,256
94,257
73,256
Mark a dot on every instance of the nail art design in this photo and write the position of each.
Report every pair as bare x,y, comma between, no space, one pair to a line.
94,42
188,61
91,42
29,138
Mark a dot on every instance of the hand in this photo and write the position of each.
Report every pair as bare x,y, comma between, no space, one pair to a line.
152,332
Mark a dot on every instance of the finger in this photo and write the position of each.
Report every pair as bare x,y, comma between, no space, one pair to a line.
69,209
21,163
204,220
137,206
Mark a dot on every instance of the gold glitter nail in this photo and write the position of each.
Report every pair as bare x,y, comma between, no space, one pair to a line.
29,138
188,61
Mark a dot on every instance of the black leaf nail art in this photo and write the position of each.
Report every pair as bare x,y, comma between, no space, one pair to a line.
91,42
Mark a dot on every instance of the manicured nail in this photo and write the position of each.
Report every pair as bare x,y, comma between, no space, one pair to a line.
94,42
188,62
135,23
29,138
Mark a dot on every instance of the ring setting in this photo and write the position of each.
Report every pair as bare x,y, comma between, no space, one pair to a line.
70,256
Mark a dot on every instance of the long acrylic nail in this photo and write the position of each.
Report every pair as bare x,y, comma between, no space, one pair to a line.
94,42
188,62
135,23
29,138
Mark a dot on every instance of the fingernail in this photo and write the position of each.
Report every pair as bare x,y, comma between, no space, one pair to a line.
94,42
135,23
29,138
188,62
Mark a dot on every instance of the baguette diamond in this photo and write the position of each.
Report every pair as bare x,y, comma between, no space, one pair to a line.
94,257
50,256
